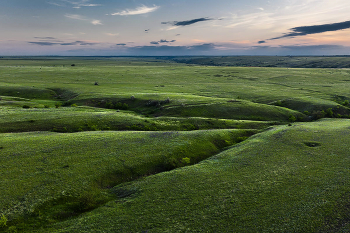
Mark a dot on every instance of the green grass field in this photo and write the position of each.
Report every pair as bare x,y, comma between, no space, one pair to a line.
151,145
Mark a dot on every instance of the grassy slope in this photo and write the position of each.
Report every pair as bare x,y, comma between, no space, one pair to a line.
76,119
37,168
83,164
273,182
147,81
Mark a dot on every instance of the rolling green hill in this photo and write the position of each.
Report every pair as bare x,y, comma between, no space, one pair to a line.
152,145
285,179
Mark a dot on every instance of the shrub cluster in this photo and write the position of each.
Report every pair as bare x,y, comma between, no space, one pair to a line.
279,103
113,105
157,103
292,118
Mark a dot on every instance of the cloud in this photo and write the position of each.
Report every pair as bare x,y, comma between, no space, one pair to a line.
138,11
71,43
172,28
147,30
187,22
261,42
48,43
79,42
81,3
48,40
41,43
121,44
306,30
80,17
112,34
72,16
96,22
166,41
162,41
45,38
55,4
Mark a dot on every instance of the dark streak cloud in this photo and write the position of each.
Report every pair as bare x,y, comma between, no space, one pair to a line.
261,42
48,43
42,43
306,30
78,42
166,41
45,38
121,44
72,43
187,22
162,41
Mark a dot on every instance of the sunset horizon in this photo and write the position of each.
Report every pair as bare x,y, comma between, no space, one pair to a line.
181,28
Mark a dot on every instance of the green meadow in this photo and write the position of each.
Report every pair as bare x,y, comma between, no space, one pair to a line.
157,144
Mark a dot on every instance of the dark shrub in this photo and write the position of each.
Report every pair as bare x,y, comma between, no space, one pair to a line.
153,103
292,118
67,103
26,106
319,114
329,112
109,105
125,106
278,103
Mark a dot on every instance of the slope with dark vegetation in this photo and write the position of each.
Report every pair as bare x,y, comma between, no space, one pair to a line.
159,146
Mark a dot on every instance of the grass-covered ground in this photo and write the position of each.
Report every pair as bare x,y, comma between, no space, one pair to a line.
150,145
288,179
269,61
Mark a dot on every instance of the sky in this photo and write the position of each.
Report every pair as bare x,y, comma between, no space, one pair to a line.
174,27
